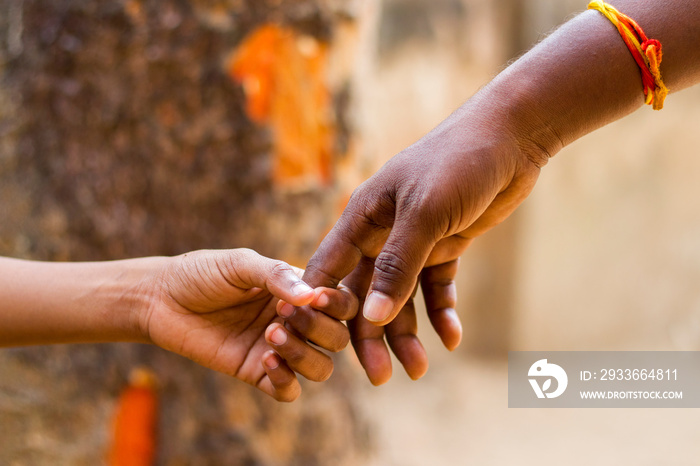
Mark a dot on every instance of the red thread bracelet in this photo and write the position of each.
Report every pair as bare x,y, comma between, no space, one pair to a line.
646,52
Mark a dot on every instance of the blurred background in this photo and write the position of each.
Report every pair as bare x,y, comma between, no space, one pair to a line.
141,128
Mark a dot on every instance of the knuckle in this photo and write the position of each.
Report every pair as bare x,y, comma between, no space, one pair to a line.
357,197
245,252
439,282
294,356
316,367
371,203
392,268
280,268
329,334
317,274
244,255
304,320
279,272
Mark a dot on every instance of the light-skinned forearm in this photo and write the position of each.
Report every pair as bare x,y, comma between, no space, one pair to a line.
72,302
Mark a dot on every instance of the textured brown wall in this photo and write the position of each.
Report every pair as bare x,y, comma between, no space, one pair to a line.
122,135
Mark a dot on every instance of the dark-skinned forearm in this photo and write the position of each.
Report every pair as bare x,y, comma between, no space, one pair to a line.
583,77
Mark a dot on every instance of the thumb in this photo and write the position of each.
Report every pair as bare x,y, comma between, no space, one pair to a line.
275,276
396,270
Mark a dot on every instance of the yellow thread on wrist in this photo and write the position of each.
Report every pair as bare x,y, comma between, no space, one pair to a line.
646,52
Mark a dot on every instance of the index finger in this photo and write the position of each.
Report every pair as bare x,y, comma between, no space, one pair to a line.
335,258
353,237
340,303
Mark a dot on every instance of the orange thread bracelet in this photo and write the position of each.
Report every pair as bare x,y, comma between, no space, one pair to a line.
646,52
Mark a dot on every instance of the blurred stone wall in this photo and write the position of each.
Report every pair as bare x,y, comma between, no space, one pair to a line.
611,256
123,134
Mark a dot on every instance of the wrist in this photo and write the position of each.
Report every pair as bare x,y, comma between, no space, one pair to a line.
524,129
560,91
134,290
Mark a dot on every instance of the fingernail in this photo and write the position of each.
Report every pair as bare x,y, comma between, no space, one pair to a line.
323,300
278,337
285,310
301,288
378,307
272,362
